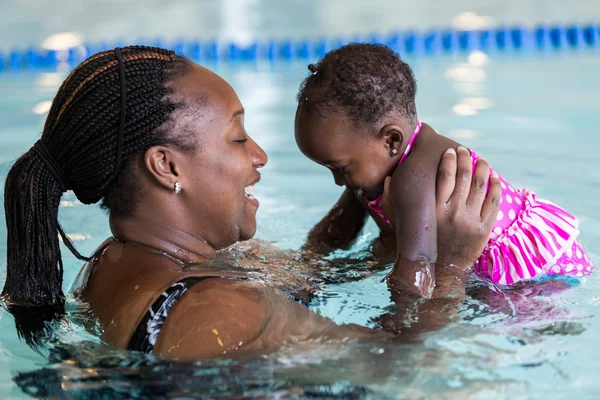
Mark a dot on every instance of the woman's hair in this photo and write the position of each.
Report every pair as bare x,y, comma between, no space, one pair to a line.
366,81
112,107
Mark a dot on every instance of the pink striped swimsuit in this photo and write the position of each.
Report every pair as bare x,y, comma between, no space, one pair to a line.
531,237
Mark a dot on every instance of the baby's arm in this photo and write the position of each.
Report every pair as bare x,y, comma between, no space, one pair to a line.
339,227
412,191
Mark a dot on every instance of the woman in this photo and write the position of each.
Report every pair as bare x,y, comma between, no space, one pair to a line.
161,142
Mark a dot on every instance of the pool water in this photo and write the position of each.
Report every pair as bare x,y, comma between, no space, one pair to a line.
534,117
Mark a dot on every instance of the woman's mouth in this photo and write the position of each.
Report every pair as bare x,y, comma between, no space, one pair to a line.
249,197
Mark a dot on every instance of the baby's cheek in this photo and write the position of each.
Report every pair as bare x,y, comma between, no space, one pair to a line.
375,178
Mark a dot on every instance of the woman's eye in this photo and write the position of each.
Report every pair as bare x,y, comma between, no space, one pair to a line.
244,140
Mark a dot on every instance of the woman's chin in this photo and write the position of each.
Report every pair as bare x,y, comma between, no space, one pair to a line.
248,225
247,233
248,228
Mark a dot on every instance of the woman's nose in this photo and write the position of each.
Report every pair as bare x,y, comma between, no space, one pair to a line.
257,154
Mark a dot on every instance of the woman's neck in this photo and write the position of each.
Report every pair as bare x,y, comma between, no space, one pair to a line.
160,235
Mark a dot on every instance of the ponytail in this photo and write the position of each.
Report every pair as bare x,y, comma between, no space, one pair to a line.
34,265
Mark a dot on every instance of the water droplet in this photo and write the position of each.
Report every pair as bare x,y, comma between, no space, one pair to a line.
377,350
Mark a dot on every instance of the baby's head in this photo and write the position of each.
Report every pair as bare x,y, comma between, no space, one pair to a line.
356,114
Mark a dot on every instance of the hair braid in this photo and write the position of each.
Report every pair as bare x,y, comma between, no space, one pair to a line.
81,133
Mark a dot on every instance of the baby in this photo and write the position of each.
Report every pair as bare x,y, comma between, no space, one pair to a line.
357,116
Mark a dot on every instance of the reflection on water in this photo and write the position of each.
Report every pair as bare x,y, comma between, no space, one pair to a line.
89,371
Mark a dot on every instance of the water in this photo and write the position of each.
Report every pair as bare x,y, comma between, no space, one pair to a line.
533,116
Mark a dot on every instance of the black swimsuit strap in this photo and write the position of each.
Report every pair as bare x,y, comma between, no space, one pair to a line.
145,335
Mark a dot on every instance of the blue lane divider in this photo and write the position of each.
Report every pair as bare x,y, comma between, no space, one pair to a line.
432,42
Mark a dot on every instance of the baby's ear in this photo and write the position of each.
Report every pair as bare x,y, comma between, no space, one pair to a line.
393,138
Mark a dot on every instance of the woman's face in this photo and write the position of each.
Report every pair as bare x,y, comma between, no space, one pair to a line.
217,176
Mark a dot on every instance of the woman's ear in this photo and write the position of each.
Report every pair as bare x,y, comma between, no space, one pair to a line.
393,138
161,162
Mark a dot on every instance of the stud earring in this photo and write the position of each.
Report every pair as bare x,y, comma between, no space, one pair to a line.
394,152
177,187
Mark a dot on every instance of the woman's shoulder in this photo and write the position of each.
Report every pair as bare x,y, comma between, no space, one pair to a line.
123,282
215,316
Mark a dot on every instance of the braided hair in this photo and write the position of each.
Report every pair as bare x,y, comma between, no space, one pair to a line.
82,134
367,81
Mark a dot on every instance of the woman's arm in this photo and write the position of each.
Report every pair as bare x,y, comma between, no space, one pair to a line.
220,317
228,318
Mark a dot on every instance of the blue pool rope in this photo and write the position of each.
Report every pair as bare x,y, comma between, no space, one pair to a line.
432,42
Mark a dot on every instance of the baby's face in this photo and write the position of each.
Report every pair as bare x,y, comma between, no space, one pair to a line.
355,155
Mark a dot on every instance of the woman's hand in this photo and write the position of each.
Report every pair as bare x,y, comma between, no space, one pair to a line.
465,215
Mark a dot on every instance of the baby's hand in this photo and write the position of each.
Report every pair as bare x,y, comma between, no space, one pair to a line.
386,202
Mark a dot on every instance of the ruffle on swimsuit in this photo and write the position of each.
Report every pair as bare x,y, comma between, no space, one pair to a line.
541,240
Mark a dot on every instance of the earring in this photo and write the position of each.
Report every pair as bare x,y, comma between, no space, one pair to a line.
394,152
177,187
